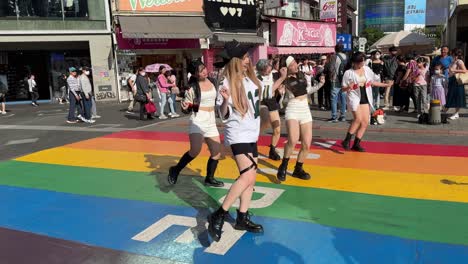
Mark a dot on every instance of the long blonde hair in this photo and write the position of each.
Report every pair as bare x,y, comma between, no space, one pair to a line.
233,72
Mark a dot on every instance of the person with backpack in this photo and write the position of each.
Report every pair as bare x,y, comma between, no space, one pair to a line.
200,101
334,70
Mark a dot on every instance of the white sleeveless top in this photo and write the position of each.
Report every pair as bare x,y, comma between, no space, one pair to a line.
208,98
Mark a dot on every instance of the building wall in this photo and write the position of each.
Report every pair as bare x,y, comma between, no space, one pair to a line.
387,15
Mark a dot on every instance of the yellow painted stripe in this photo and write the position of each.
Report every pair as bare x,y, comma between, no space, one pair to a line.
409,185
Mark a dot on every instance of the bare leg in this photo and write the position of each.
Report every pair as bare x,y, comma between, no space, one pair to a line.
276,125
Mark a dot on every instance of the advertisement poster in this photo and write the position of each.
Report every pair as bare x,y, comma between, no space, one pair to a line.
437,12
342,18
328,10
231,15
415,14
305,34
178,6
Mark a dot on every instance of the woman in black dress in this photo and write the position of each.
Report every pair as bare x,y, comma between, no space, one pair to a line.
401,94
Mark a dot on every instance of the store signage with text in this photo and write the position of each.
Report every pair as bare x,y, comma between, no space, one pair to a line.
231,14
310,34
161,5
342,18
151,43
328,10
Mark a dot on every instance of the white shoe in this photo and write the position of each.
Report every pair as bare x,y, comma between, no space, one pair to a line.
3,113
175,115
169,115
90,121
162,117
96,116
386,108
454,116
396,108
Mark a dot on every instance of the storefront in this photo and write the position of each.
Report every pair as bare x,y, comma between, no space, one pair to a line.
301,37
47,37
229,20
148,35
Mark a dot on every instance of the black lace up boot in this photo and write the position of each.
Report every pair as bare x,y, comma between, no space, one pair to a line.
357,145
347,141
243,222
300,173
273,155
215,224
283,170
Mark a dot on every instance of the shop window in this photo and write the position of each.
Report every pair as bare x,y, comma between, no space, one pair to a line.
40,9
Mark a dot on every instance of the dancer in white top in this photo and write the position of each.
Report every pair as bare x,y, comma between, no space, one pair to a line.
200,100
239,107
298,117
269,107
358,82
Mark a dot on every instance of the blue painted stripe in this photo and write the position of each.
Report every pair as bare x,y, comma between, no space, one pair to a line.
111,223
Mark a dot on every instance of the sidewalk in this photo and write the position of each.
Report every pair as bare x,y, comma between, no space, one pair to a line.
397,123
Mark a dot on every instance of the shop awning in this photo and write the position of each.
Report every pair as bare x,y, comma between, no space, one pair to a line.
159,27
242,38
300,50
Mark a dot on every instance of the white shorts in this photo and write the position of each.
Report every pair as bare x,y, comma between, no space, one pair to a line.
204,123
298,110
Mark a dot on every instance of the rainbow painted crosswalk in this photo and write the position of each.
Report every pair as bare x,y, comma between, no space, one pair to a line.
397,203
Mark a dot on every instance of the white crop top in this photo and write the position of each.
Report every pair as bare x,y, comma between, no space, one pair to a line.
208,98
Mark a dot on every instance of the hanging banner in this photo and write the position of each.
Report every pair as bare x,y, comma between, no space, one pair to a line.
230,15
342,17
328,10
299,33
415,14
179,6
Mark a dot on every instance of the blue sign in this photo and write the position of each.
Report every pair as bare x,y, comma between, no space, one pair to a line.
415,12
346,40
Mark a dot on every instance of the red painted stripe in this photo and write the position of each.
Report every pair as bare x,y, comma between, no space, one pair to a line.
371,147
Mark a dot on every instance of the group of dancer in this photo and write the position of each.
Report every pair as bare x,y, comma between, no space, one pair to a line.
248,103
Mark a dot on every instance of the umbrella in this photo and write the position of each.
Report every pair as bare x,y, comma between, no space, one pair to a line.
155,67
404,39
434,53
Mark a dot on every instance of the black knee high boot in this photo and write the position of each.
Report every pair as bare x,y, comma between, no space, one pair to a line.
347,141
283,170
210,171
175,170
357,145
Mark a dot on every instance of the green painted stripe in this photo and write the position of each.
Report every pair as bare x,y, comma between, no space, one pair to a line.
409,218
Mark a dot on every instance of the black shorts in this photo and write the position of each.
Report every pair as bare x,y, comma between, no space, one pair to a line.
245,148
271,104
2,98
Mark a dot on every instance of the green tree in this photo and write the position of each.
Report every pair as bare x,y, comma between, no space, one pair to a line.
372,35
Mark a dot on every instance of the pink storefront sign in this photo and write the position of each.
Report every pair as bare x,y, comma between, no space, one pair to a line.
300,33
151,43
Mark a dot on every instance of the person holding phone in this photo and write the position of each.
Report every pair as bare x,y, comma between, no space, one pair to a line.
357,83
200,100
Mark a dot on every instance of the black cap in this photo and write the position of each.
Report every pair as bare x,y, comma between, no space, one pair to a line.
393,49
234,49
194,66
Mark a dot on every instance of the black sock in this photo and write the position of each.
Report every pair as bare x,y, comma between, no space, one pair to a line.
211,168
186,159
349,136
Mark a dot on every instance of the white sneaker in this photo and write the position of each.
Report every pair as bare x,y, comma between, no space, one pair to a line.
90,121
175,115
3,113
162,117
81,118
454,116
96,116
396,108
169,115
386,108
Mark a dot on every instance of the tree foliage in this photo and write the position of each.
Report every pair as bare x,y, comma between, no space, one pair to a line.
372,35
434,33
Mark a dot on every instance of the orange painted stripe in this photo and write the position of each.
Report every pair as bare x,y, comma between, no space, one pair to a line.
367,161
